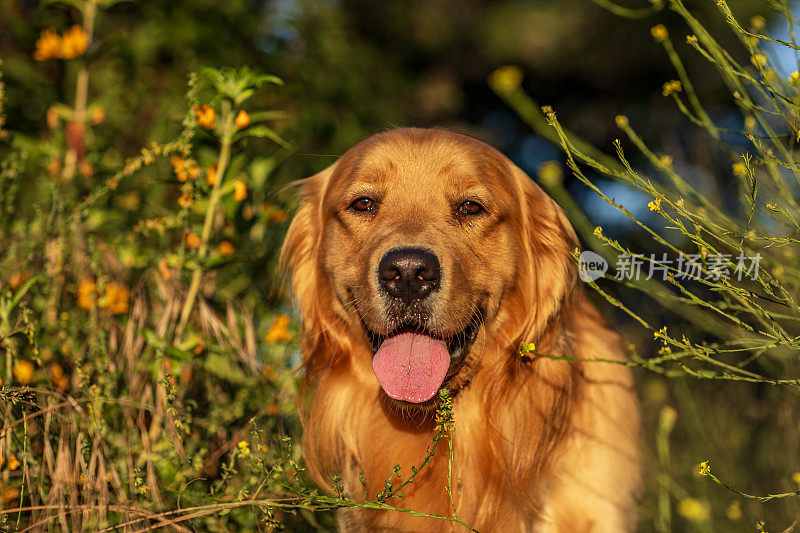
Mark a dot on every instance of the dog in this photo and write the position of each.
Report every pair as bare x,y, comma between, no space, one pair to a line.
423,259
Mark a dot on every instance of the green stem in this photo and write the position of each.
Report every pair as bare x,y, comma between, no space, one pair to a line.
226,132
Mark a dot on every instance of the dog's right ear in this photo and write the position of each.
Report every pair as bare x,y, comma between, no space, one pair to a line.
300,256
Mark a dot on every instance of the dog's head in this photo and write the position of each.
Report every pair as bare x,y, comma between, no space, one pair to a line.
421,255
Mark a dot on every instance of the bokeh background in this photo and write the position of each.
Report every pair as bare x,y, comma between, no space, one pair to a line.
351,68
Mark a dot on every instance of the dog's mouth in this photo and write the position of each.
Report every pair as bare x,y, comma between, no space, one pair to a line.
412,362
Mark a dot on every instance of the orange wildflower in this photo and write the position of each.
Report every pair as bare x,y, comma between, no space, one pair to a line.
163,269
18,278
239,190
117,298
192,170
193,241
9,494
185,200
86,293
98,115
279,330
242,119
278,216
178,163
23,371
13,462
74,42
226,248
211,174
48,46
205,116
58,377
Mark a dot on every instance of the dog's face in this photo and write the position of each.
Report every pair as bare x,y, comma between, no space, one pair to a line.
423,239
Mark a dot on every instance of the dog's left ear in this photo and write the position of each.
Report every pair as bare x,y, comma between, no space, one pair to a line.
549,273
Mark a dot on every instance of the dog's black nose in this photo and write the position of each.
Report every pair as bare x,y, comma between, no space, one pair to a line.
409,273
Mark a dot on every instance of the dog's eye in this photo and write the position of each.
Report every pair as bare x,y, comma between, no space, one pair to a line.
363,204
470,207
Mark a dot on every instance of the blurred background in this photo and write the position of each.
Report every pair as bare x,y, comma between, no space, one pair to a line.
355,67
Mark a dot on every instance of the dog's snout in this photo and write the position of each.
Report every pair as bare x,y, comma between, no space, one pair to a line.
409,273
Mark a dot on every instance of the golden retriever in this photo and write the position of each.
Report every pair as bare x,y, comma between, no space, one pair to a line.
422,259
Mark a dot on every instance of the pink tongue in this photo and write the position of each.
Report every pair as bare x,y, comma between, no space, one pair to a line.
411,366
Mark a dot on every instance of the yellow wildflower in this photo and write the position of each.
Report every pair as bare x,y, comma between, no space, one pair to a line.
758,23
527,349
739,169
242,120
550,173
23,371
239,190
691,39
505,79
759,60
598,232
694,510
655,205
205,116
660,333
703,469
621,120
734,510
193,241
659,33
87,291
244,448
226,248
117,298
794,78
74,42
671,87
279,330
48,46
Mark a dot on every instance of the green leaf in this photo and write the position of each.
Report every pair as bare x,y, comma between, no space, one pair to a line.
263,132
23,291
224,368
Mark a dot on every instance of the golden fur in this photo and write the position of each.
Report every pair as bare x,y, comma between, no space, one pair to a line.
540,444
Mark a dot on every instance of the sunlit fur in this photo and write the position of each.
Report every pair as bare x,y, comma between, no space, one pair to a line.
540,444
